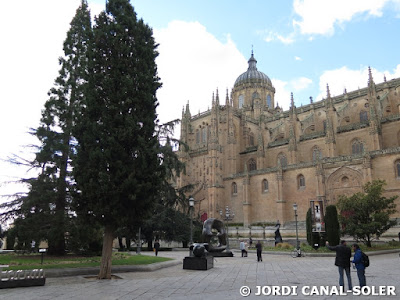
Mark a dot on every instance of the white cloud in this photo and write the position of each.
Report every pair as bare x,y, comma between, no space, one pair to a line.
282,93
301,83
342,78
321,16
31,46
298,58
270,36
192,64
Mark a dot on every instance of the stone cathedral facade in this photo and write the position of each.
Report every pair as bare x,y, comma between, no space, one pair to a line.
249,155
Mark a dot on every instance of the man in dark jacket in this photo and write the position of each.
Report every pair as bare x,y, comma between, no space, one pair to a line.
259,250
357,260
342,260
156,247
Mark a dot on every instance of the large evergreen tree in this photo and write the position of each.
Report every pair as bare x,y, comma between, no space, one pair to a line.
117,169
332,225
44,210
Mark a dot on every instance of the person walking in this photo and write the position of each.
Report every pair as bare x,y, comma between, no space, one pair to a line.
357,260
259,249
342,261
156,247
243,248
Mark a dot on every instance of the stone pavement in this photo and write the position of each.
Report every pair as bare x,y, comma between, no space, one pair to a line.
222,282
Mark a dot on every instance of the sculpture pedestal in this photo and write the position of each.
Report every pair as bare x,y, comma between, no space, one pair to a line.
221,254
198,263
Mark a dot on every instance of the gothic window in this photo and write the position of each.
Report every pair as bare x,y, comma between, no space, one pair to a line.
251,139
204,135
363,116
197,136
265,185
398,138
269,101
241,101
301,182
397,165
234,188
316,154
255,95
282,159
252,165
357,147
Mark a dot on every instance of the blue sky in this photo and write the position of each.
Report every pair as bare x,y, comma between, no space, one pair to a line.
204,45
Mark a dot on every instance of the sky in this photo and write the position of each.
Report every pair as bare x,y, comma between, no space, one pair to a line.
301,45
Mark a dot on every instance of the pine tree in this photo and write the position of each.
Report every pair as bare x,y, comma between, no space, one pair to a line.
117,169
44,210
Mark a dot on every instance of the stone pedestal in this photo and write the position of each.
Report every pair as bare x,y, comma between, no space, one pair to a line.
221,254
198,263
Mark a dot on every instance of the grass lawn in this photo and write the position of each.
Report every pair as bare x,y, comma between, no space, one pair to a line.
33,261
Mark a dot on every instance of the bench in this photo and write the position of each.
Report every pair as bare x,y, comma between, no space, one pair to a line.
20,278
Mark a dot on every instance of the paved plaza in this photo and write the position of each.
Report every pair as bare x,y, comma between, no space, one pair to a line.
222,282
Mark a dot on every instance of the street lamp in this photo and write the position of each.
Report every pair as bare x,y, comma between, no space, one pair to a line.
229,215
297,232
191,207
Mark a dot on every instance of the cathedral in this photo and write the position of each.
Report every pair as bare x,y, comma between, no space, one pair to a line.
249,158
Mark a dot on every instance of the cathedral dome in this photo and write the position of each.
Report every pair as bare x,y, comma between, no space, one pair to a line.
252,75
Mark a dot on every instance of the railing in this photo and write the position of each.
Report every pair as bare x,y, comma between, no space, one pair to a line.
312,136
351,127
391,118
278,143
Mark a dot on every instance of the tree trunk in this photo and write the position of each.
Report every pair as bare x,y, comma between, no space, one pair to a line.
105,266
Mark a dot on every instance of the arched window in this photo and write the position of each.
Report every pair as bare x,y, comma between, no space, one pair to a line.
241,101
316,154
363,116
301,182
282,159
204,135
269,102
397,166
251,139
197,136
357,147
265,186
252,165
234,188
398,138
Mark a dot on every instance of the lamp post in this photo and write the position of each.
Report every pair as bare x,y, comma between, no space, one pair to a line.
297,232
191,207
229,215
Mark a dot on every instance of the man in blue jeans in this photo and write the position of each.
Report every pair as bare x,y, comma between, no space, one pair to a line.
342,261
357,260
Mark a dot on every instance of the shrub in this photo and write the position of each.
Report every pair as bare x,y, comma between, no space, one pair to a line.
309,227
284,246
332,225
